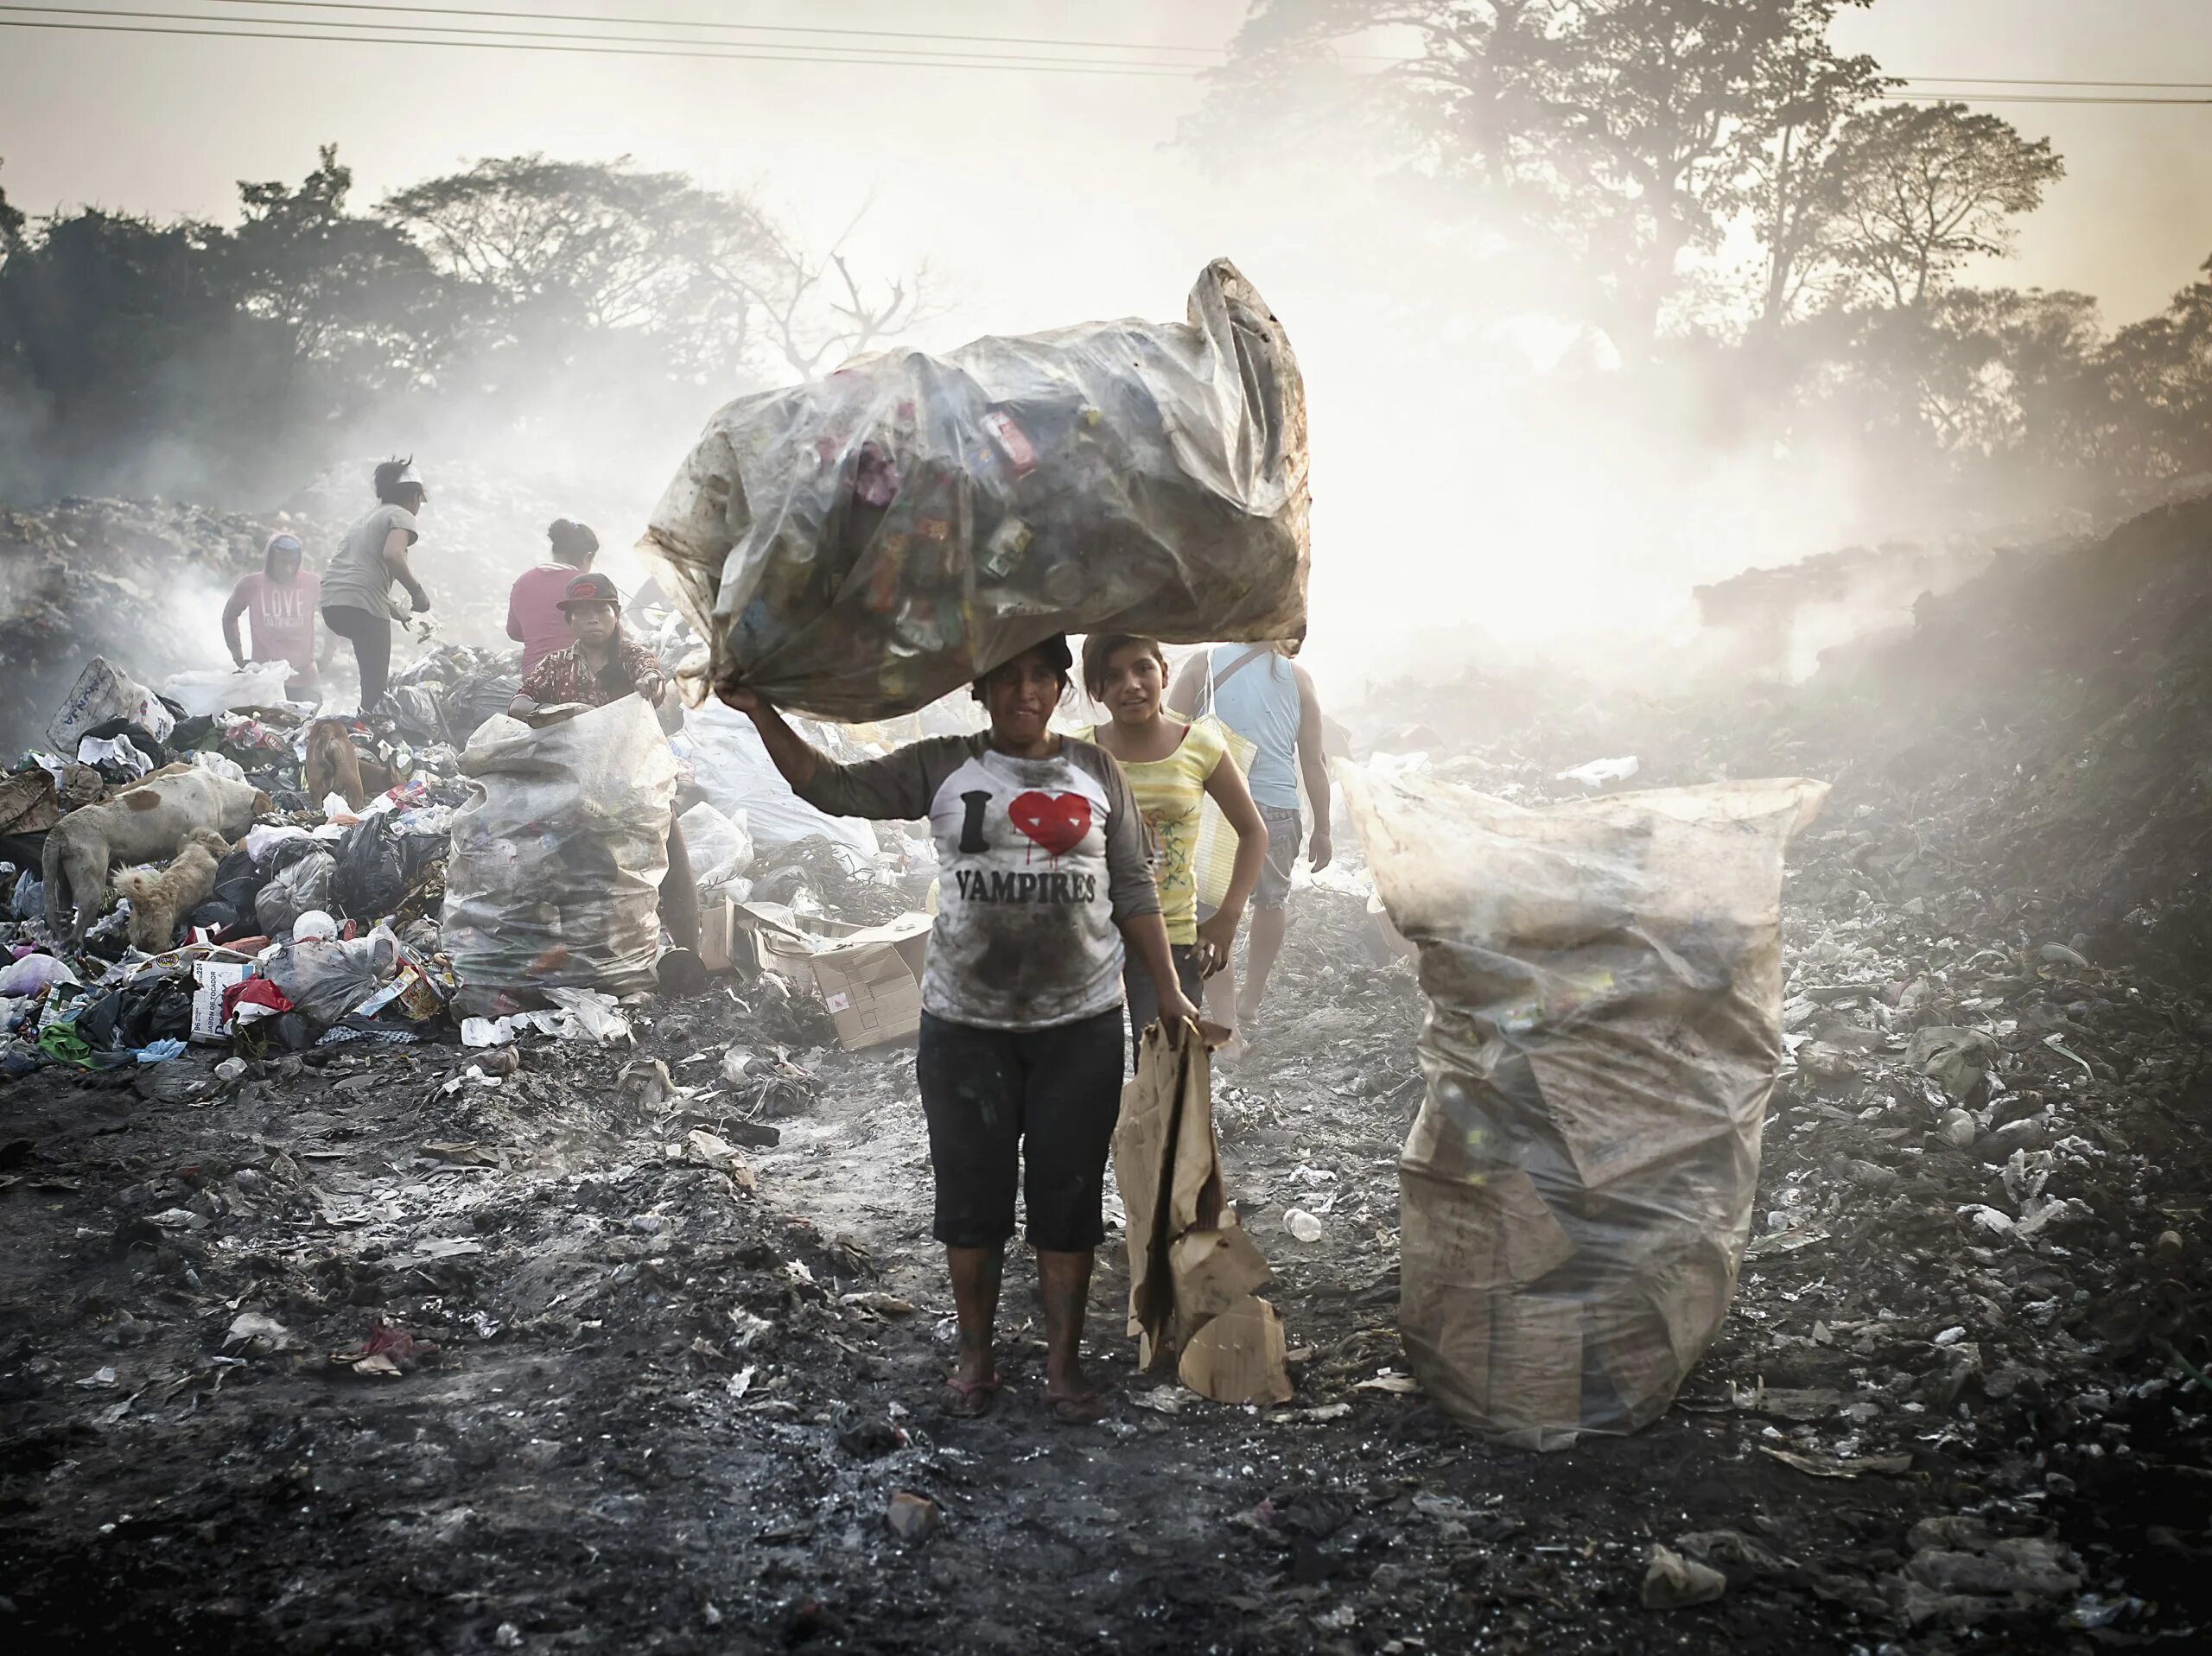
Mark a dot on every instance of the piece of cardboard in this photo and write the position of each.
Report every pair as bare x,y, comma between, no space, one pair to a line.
210,979
1213,1269
765,938
1239,1357
871,981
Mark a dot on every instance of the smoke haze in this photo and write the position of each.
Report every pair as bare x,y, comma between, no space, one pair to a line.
1480,478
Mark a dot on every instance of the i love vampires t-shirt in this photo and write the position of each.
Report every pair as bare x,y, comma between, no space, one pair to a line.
1038,861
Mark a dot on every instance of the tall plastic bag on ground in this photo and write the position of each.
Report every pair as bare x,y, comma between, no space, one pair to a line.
1605,988
858,546
554,876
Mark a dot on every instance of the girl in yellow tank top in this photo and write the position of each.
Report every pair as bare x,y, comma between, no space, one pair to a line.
1172,766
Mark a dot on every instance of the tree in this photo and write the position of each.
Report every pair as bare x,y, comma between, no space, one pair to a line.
581,244
351,292
1785,156
1608,137
11,227
2157,388
1912,191
557,247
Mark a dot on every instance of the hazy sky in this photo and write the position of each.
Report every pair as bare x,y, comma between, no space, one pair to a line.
1044,198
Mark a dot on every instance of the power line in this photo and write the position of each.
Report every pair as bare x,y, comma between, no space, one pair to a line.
962,55
818,52
749,28
763,53
2034,97
1990,80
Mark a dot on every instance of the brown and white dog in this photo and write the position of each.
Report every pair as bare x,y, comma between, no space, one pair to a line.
145,823
159,900
334,767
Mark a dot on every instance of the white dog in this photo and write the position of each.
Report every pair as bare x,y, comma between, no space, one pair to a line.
145,823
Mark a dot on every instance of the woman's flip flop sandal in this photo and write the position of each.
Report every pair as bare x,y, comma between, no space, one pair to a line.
1088,1410
968,1399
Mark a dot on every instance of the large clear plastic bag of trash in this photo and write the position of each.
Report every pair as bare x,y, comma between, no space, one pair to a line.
554,878
860,545
1604,1028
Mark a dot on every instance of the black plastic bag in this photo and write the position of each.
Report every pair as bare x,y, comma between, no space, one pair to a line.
379,865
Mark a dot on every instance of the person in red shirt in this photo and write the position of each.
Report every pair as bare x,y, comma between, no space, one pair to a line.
536,618
280,602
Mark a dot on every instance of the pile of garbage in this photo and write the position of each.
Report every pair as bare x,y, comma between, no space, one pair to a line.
205,862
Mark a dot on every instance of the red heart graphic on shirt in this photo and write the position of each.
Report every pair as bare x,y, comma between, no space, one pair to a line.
1055,821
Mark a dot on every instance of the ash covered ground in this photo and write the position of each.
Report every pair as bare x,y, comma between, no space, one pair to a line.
1961,1402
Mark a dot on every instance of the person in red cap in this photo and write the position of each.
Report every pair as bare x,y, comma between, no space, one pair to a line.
603,665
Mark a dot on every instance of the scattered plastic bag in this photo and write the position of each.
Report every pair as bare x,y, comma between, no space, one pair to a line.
740,780
860,545
103,694
298,888
719,847
554,876
35,973
1605,987
325,980
1598,772
203,695
258,840
592,1016
207,759
379,865
112,750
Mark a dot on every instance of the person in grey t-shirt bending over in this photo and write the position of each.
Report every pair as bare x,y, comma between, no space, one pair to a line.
1045,879
1269,700
357,601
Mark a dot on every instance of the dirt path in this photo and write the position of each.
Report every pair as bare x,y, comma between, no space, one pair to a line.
668,1414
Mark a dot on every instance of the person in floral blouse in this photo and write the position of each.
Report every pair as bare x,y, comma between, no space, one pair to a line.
603,665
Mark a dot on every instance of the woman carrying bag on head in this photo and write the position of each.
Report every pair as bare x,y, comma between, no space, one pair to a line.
1044,887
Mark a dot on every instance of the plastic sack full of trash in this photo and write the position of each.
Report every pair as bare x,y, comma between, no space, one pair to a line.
1604,1028
858,546
557,856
